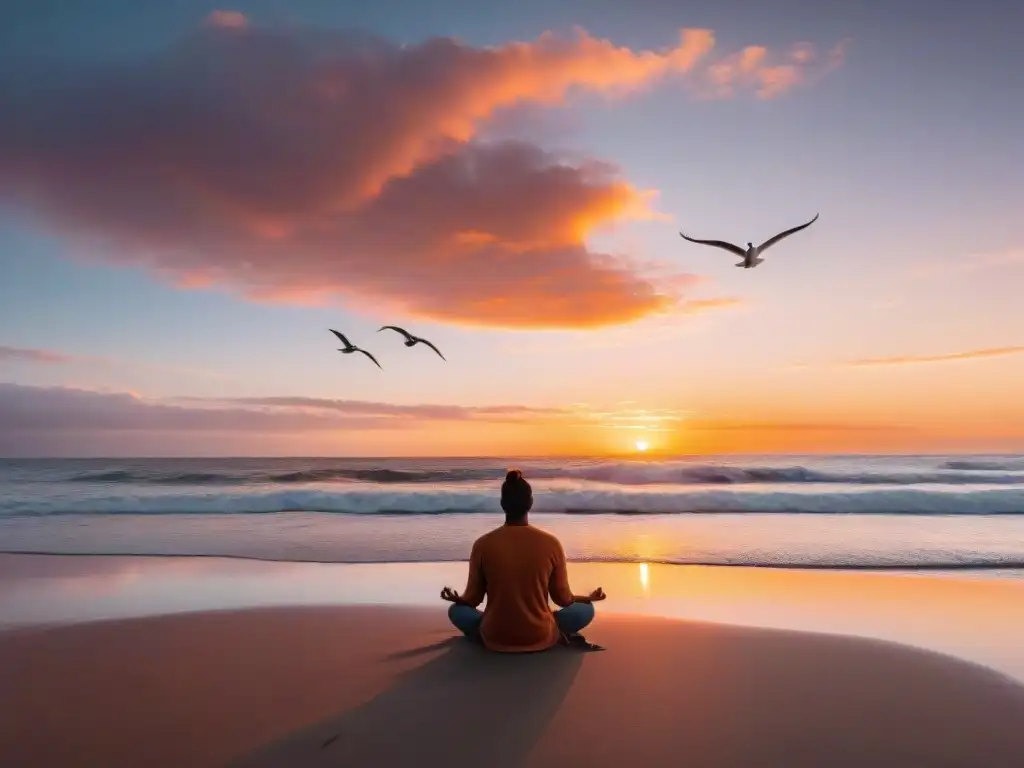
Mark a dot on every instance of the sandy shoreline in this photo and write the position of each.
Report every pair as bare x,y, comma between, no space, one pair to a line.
268,687
975,619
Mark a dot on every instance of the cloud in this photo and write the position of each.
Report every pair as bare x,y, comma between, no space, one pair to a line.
66,409
227,19
53,357
696,306
310,167
499,413
770,76
973,354
628,416
38,421
27,355
731,425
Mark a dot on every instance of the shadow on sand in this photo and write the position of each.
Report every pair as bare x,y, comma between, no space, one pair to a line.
466,707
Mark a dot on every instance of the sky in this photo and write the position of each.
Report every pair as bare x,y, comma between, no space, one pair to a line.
192,194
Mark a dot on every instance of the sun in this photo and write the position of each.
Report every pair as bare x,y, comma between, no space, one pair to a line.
642,445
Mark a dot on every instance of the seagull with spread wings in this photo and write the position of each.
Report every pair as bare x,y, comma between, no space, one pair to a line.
410,340
751,256
350,347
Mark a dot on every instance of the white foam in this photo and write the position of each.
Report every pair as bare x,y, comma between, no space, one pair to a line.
422,500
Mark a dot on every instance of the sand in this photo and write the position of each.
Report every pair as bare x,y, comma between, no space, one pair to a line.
394,687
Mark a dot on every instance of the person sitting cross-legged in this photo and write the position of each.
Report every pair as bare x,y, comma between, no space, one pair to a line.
517,566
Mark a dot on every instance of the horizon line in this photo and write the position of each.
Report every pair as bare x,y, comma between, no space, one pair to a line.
639,455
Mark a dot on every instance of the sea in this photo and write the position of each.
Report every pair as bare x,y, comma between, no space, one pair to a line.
904,513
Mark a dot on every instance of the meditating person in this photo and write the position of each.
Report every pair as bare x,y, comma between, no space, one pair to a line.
517,566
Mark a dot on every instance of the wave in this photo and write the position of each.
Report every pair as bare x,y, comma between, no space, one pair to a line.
985,466
625,473
711,474
384,476
843,564
184,478
359,501
381,476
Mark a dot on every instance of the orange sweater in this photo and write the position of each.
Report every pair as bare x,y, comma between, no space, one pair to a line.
517,567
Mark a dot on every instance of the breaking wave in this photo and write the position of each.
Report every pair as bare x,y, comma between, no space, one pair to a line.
619,473
356,500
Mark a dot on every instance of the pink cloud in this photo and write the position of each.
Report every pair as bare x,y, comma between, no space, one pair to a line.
68,409
743,425
54,357
36,421
227,19
767,75
28,355
294,167
803,53
282,404
971,354
695,306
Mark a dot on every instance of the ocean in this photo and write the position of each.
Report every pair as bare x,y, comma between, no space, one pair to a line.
866,512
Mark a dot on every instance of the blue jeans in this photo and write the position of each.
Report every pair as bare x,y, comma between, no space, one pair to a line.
570,620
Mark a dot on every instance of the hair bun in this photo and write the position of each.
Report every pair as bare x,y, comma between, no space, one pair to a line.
514,475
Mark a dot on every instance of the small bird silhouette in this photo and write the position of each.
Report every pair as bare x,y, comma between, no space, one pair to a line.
410,340
350,347
752,253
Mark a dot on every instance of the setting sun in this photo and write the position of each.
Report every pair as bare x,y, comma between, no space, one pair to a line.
642,445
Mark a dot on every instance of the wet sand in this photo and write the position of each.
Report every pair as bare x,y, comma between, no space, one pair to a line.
393,686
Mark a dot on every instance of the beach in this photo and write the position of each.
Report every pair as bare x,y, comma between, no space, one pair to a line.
779,611
391,687
147,670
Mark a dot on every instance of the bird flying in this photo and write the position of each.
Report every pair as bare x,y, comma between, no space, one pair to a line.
350,347
751,256
410,340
